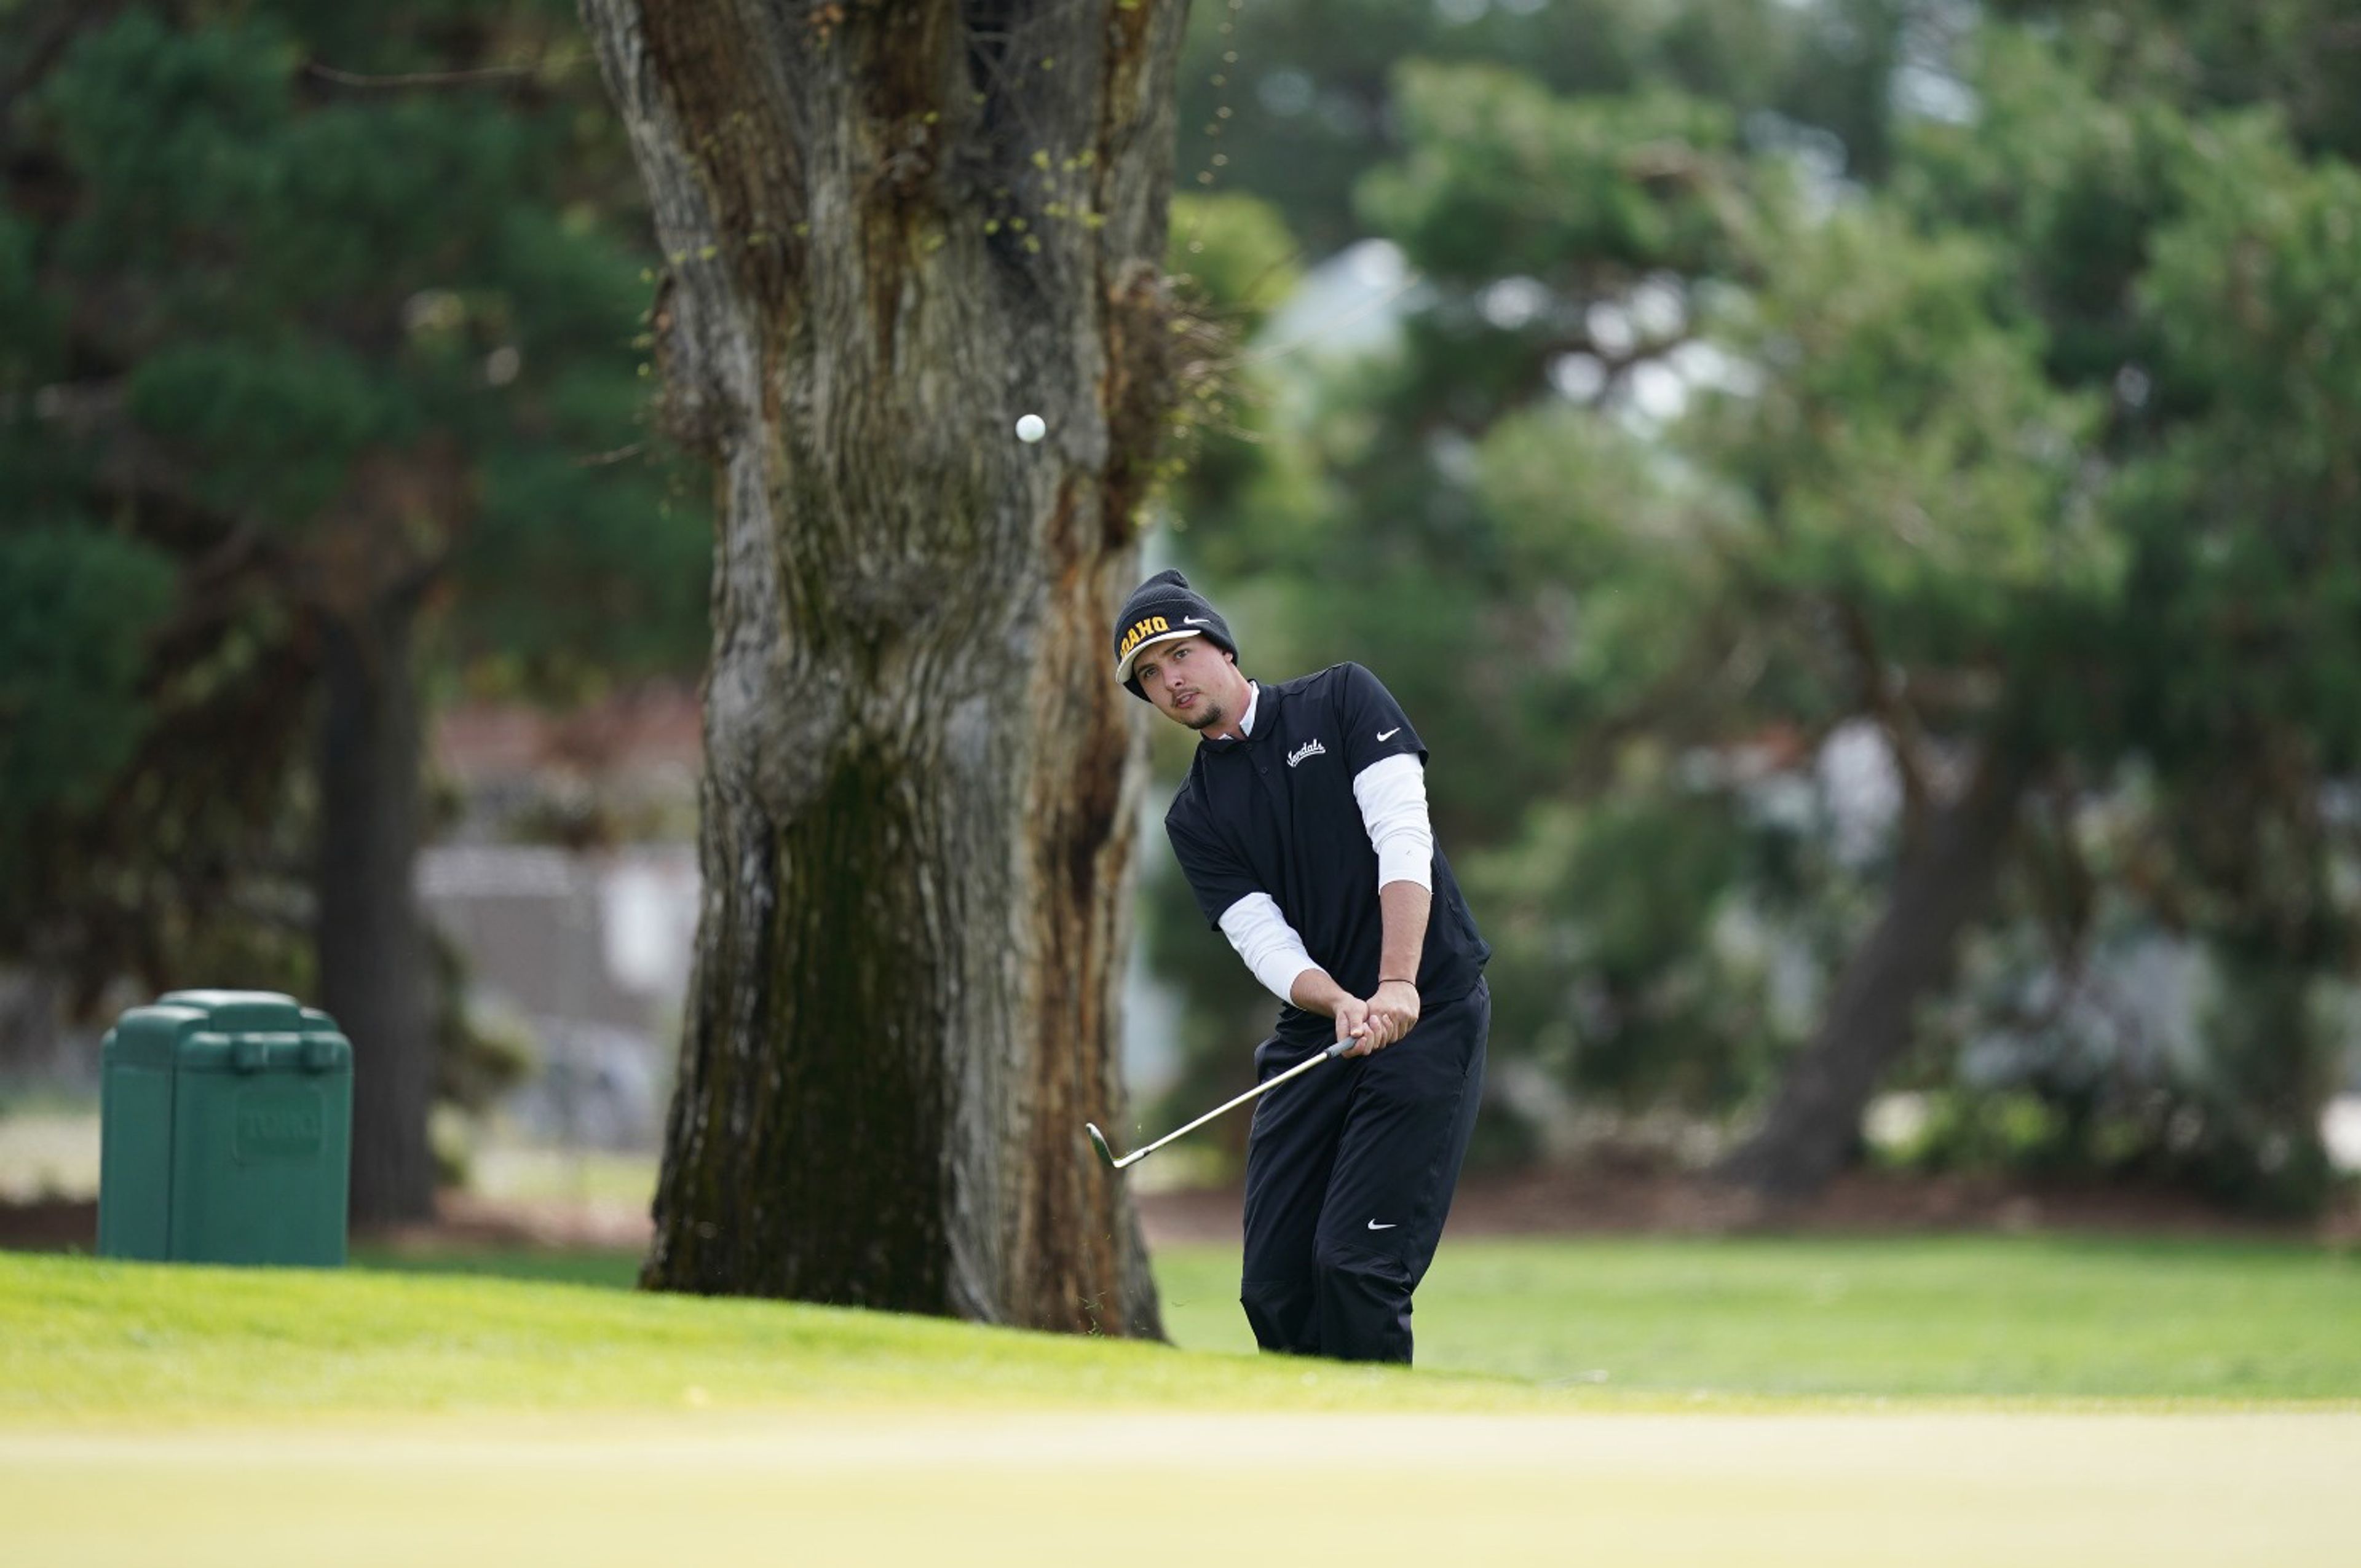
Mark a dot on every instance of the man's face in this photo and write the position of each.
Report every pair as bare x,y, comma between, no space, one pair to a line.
1191,682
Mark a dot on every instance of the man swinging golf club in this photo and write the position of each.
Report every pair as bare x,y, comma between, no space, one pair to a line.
1302,829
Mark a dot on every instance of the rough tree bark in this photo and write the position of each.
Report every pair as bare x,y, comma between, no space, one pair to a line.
370,944
1814,1121
890,230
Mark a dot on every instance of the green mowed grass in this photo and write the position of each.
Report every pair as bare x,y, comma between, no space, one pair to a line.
1958,1401
1950,1316
1502,1325
2013,1317
88,1340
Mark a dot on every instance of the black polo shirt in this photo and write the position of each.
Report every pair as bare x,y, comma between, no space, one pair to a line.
1274,813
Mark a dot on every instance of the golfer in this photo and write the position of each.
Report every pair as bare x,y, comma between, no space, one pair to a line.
1302,829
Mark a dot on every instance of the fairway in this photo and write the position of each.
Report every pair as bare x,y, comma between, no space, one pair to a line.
196,1416
1162,1488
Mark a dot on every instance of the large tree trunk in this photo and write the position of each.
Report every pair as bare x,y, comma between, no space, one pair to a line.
891,230
372,951
1814,1121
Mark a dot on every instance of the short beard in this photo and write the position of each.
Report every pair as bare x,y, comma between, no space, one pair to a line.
1201,722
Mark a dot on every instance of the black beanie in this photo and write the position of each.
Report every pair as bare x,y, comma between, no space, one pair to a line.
1159,609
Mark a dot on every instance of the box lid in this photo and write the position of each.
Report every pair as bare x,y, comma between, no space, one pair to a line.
241,1011
227,1031
150,1037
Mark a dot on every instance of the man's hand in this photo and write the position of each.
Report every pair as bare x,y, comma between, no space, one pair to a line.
1394,1005
1372,1024
1381,1020
1354,1023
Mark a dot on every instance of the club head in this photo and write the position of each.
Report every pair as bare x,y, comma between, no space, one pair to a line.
1098,1142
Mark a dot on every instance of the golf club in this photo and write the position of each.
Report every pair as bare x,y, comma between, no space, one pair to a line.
1098,1140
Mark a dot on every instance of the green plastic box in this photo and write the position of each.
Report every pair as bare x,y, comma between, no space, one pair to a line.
226,1132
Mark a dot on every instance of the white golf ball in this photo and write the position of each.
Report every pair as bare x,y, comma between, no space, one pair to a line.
1030,428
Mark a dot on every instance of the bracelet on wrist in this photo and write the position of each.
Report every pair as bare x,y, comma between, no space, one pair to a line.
1398,980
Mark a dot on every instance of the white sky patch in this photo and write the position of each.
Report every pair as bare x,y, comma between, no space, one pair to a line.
1610,329
1579,378
1377,263
1926,81
1513,303
1709,366
1816,153
648,909
1656,308
1932,95
1657,392
1351,303
2340,1129
1785,802
1863,789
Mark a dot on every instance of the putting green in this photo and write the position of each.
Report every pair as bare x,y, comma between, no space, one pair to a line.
829,1486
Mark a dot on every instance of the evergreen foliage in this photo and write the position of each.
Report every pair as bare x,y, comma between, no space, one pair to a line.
317,352
292,319
2023,425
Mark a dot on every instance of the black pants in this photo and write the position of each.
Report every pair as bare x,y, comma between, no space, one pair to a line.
1350,1175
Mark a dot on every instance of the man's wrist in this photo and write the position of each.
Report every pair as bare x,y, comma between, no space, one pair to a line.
1315,991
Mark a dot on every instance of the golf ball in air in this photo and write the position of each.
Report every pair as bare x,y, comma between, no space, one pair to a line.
1030,428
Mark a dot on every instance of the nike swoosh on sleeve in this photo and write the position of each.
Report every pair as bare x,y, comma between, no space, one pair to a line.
1389,734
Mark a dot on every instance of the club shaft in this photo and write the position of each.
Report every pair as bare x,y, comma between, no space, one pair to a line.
1306,1065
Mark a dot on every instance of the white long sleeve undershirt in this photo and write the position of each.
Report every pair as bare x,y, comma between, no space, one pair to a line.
1391,794
1269,946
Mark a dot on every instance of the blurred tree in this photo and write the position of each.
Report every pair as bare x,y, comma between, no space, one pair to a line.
75,605
1597,253
2300,57
330,342
2189,266
1294,100
1984,458
1918,477
1530,577
890,232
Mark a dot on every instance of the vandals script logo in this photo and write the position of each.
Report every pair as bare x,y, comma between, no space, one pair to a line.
1309,749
